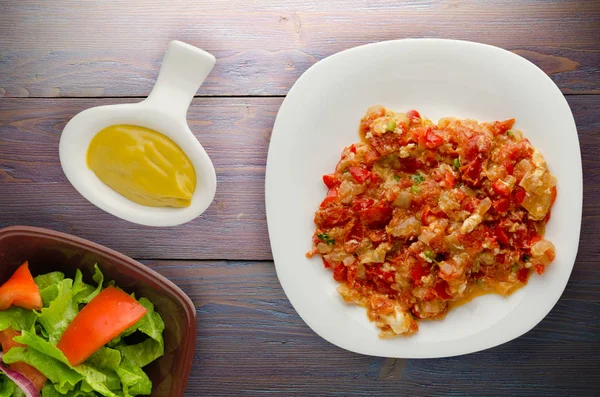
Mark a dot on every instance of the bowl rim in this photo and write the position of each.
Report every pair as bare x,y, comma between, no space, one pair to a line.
137,268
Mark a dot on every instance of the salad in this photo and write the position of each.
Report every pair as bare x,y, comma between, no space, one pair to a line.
63,337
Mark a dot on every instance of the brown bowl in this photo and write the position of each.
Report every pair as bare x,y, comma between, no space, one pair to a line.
47,251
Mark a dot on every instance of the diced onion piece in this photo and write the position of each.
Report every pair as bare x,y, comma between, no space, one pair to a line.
399,321
405,227
403,200
540,248
324,248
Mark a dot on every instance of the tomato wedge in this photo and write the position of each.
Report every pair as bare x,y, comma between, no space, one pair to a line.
20,290
110,313
7,342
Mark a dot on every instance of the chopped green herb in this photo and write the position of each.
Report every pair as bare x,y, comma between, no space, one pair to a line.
456,162
324,237
429,255
514,267
510,133
417,178
526,258
397,177
391,126
346,170
415,189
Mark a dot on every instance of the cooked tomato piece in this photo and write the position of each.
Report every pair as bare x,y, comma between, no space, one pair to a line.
330,180
378,235
472,172
501,205
414,116
331,198
376,216
359,174
502,235
340,273
385,144
433,140
500,127
501,188
519,195
522,274
362,203
540,269
332,216
410,165
418,271
440,288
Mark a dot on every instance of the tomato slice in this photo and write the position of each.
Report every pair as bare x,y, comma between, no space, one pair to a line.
110,313
7,342
20,290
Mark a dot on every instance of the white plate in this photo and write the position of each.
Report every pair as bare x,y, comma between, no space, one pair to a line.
439,78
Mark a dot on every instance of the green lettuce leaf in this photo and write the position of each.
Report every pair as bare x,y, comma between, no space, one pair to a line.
7,386
50,391
17,318
143,353
84,293
105,358
46,280
48,294
63,377
135,381
103,381
58,315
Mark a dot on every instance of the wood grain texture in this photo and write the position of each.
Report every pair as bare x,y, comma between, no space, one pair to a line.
69,48
235,132
251,342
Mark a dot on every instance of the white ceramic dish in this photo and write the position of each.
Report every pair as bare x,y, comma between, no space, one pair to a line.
439,78
183,70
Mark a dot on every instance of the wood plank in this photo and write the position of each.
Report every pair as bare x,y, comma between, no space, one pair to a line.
252,342
68,48
235,133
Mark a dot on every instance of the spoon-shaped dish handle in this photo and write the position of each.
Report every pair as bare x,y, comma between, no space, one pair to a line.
183,70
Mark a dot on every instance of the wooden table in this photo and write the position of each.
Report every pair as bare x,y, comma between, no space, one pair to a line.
60,57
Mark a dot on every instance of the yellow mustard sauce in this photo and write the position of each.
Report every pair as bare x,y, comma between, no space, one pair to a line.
143,165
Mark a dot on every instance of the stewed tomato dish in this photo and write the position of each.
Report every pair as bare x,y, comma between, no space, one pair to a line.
420,217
